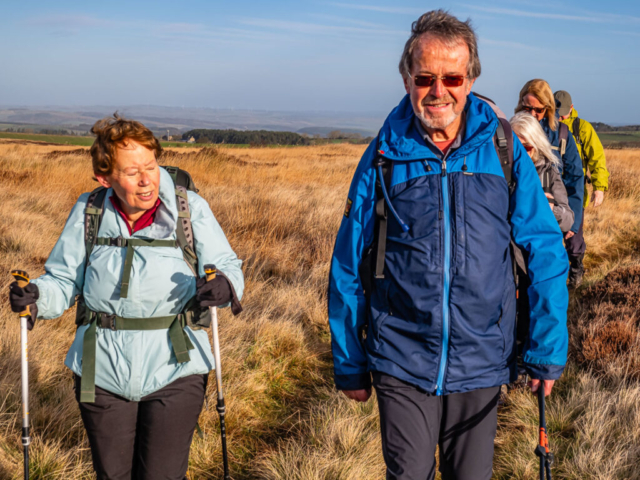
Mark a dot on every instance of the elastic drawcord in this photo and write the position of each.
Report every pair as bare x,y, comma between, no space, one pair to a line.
405,227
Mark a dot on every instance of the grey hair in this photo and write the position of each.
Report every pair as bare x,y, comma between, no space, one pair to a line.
528,128
449,30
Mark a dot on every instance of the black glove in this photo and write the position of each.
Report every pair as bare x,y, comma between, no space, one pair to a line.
213,293
21,298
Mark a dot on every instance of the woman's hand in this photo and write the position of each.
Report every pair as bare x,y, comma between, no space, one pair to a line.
213,293
21,298
550,197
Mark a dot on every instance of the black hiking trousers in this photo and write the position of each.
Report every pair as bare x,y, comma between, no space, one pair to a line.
414,422
145,440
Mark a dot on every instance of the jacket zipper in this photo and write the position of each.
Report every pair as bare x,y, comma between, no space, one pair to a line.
447,264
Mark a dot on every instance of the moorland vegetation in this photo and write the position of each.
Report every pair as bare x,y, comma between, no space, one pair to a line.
281,208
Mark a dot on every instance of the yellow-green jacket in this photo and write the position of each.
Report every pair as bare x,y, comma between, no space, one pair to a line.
592,153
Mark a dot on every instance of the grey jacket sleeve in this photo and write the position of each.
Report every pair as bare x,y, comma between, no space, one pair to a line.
563,213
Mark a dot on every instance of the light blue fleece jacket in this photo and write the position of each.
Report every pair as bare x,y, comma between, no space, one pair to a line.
133,363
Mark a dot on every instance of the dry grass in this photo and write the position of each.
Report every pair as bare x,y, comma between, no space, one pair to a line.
281,209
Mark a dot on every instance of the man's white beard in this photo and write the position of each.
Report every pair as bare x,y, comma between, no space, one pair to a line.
438,123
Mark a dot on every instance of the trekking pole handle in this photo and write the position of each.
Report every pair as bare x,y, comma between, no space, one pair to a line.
23,280
210,271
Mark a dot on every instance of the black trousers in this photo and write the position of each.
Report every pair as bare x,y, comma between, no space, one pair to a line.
413,422
145,440
576,245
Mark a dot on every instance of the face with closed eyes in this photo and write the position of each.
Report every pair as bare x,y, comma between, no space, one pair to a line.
135,178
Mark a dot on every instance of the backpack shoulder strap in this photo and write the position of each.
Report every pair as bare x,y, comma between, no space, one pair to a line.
503,141
93,213
381,214
563,134
184,229
576,130
182,183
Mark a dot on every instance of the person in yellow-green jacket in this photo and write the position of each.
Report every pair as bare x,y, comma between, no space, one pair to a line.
595,172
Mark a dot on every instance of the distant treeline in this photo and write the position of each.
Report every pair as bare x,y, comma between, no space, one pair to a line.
603,127
253,137
267,137
43,131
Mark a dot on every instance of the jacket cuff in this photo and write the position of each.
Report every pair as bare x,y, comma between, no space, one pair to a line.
544,372
356,381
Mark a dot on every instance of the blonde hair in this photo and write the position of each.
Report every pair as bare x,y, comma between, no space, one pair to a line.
528,128
542,91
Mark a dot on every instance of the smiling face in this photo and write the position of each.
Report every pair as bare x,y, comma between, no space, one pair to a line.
135,178
438,106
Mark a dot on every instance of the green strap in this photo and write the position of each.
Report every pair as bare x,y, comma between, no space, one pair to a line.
129,243
88,379
180,343
126,272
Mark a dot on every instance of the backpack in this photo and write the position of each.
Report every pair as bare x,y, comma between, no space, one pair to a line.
576,135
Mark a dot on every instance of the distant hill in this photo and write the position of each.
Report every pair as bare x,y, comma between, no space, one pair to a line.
603,127
325,131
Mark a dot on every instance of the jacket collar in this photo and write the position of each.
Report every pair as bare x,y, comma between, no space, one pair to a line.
400,139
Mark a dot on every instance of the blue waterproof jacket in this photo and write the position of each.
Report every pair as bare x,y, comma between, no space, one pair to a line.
443,317
570,169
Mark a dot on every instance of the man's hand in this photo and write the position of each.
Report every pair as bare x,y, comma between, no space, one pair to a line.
568,235
535,384
597,198
358,395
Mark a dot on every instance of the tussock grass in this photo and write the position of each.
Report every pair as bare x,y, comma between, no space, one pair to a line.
280,209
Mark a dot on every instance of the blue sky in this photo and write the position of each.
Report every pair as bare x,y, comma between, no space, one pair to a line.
318,55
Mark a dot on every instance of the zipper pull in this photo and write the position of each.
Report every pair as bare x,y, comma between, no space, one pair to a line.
444,168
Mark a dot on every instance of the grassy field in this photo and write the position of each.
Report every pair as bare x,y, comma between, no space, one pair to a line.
280,209
628,139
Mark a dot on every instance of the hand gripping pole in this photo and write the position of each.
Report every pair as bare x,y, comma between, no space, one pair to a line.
23,280
210,272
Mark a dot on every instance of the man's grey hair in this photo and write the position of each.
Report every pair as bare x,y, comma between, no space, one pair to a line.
449,30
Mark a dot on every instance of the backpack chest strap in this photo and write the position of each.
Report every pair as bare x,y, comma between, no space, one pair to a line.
180,342
129,243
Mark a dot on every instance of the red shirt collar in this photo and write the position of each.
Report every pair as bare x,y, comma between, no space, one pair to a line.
144,221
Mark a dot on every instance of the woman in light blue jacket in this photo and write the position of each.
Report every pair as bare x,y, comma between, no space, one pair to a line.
140,356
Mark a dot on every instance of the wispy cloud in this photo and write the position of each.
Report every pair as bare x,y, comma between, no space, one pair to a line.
509,44
530,14
376,8
67,24
579,16
316,28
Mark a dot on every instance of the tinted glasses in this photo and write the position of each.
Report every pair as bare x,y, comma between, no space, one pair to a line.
530,109
528,148
447,80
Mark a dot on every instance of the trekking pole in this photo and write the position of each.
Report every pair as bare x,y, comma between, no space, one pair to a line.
542,450
210,272
23,279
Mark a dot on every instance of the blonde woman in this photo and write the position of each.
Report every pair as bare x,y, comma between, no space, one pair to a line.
535,142
536,98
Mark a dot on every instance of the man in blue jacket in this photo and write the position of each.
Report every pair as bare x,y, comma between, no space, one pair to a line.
435,325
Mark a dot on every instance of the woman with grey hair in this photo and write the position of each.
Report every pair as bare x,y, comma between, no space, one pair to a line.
535,142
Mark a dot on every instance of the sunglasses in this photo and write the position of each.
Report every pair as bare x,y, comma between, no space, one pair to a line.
528,148
534,109
447,80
